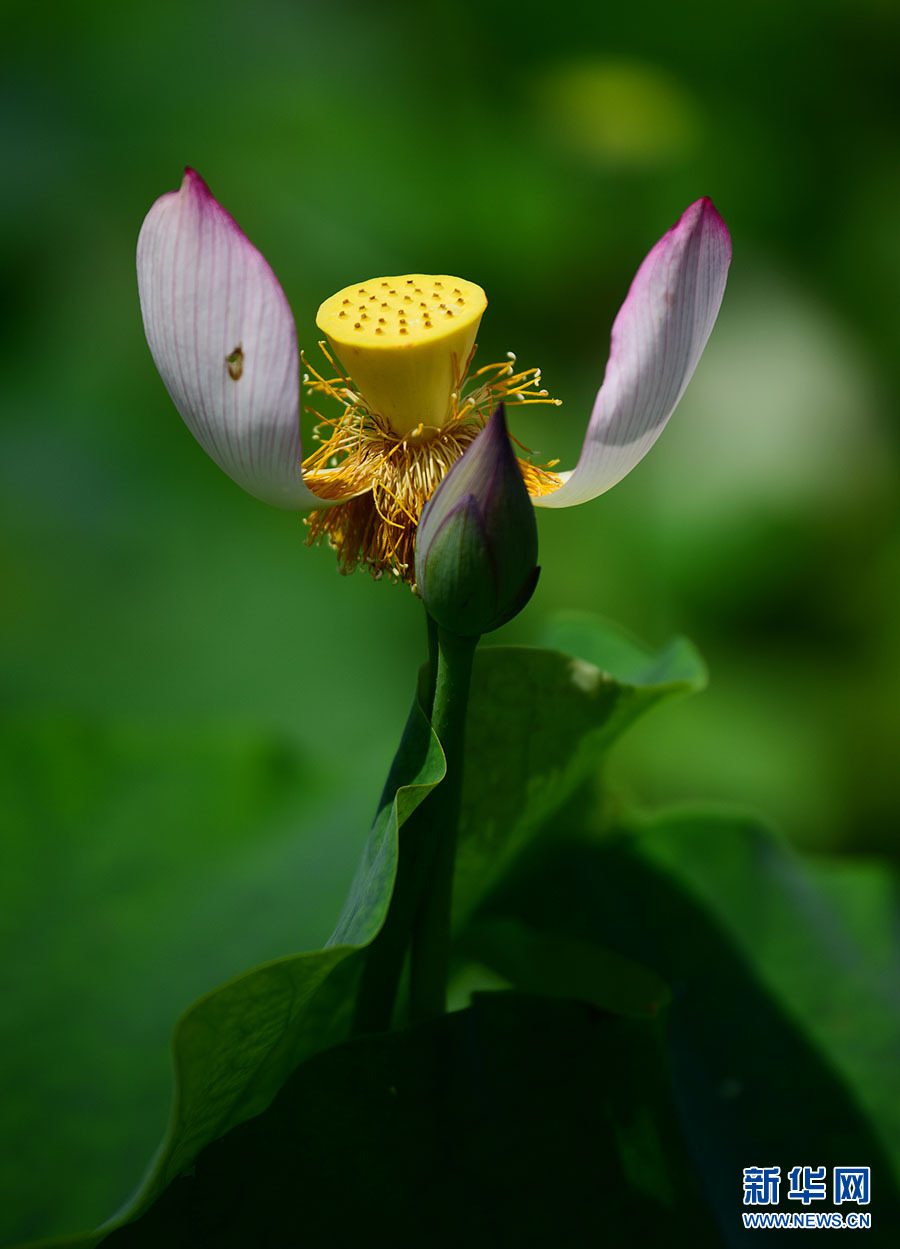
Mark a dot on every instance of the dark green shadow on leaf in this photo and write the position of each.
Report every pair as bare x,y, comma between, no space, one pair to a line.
558,966
757,1083
821,934
518,1122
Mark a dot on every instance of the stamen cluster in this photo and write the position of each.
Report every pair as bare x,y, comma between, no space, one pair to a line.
383,479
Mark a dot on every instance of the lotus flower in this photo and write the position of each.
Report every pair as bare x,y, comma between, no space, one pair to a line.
399,357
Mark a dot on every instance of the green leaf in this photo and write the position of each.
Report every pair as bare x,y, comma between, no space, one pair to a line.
416,768
519,1121
539,725
783,1029
820,935
611,648
556,966
235,1047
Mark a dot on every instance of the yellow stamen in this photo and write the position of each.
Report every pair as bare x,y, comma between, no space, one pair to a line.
406,417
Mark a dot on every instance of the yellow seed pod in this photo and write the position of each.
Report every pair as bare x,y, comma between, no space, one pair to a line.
405,342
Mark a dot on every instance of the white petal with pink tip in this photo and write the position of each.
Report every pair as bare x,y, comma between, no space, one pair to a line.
657,339
222,336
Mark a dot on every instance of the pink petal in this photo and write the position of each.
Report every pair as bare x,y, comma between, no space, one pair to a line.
657,339
222,336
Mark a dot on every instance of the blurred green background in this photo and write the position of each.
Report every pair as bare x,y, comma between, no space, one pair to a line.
187,688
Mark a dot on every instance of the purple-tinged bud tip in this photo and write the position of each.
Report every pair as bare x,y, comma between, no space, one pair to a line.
476,545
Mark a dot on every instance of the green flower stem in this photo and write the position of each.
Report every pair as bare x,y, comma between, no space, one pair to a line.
384,957
420,904
430,955
433,658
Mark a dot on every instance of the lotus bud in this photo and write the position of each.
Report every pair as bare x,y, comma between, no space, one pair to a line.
476,545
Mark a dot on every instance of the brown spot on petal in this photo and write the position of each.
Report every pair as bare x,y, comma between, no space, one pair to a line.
235,363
